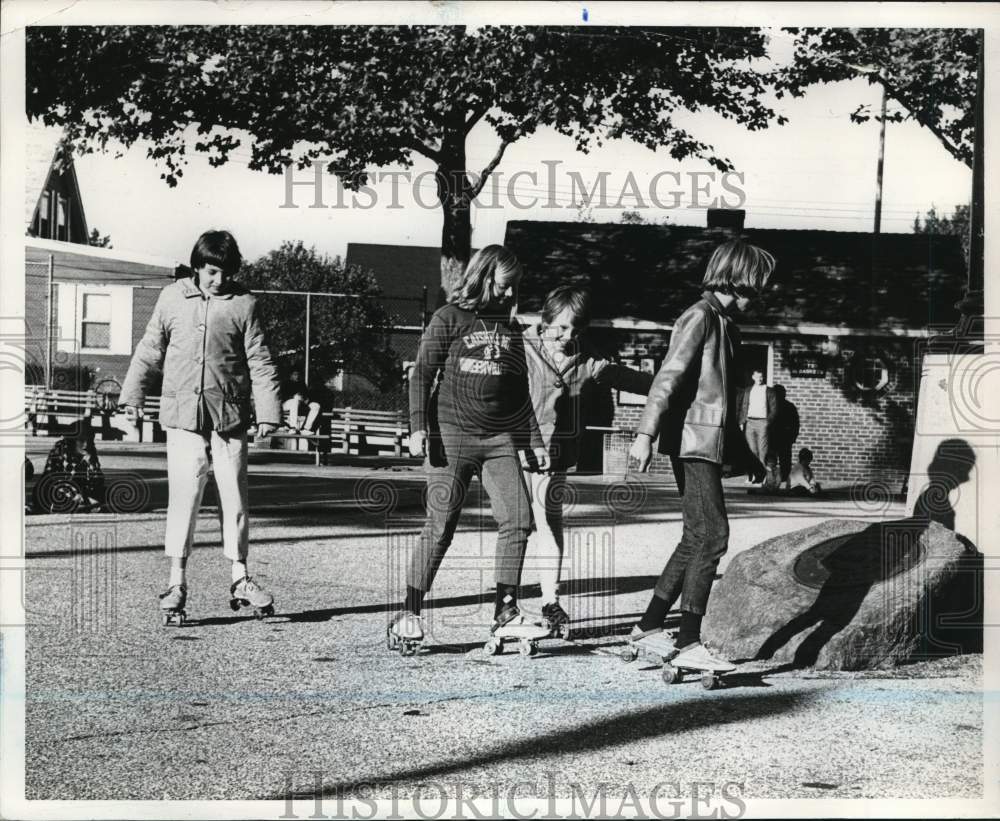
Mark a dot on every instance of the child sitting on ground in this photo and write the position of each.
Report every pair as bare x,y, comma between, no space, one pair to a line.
72,481
801,479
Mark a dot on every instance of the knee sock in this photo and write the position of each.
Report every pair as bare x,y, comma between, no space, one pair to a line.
690,630
414,599
178,575
506,596
655,613
239,571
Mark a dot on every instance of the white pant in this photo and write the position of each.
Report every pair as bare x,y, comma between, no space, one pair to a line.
293,414
187,472
545,544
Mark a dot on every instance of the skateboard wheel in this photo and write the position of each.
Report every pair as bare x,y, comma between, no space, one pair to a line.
671,675
629,654
709,681
493,647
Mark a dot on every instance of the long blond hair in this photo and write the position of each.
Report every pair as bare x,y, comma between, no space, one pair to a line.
474,290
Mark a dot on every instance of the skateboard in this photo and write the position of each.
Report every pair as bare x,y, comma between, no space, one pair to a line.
527,637
710,679
660,654
258,612
558,631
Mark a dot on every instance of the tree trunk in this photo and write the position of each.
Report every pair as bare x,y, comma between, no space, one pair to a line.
454,193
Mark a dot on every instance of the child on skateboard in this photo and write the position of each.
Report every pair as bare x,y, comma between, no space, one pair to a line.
206,337
692,408
477,422
560,365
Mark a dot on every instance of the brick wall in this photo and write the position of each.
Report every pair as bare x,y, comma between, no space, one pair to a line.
856,435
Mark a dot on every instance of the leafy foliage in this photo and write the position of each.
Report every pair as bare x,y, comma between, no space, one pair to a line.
95,239
957,224
373,96
930,73
346,333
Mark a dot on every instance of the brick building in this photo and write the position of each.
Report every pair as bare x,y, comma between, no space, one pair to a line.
841,330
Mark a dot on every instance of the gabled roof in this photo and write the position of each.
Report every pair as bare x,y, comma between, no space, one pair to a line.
831,278
45,155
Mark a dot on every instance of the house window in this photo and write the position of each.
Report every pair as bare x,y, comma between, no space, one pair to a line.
871,373
45,216
95,322
62,219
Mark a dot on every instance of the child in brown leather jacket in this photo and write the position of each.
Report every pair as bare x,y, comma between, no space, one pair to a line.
692,408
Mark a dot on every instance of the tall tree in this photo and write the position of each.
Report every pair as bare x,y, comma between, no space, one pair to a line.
346,333
956,224
929,73
367,96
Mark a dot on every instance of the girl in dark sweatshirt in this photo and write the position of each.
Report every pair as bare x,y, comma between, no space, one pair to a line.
478,420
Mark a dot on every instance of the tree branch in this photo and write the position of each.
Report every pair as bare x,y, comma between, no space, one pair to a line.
489,169
424,149
475,117
927,123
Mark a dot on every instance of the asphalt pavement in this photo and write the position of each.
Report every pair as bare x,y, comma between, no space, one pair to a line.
228,707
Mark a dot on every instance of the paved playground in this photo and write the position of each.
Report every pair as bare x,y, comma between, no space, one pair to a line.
226,707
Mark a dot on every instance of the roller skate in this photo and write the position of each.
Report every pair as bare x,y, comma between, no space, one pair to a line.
405,633
655,644
696,658
511,625
172,605
556,619
247,593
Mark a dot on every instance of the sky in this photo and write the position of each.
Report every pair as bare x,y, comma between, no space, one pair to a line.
816,172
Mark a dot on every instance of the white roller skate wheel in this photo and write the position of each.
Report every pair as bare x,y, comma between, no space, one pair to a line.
493,647
629,654
165,619
671,675
526,648
709,681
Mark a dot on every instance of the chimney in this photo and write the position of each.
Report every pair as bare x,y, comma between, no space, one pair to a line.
731,218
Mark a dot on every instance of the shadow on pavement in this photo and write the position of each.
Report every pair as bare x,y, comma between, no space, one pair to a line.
671,718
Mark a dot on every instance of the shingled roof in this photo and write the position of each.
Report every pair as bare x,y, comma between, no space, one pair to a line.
825,277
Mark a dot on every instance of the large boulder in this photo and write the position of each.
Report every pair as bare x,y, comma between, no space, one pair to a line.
849,595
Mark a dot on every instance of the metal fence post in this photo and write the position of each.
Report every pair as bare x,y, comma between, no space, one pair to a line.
48,325
305,376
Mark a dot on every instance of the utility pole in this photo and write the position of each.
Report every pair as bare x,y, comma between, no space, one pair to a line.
881,167
972,306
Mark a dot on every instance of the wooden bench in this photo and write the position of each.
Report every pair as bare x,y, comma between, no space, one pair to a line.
354,431
366,432
55,411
